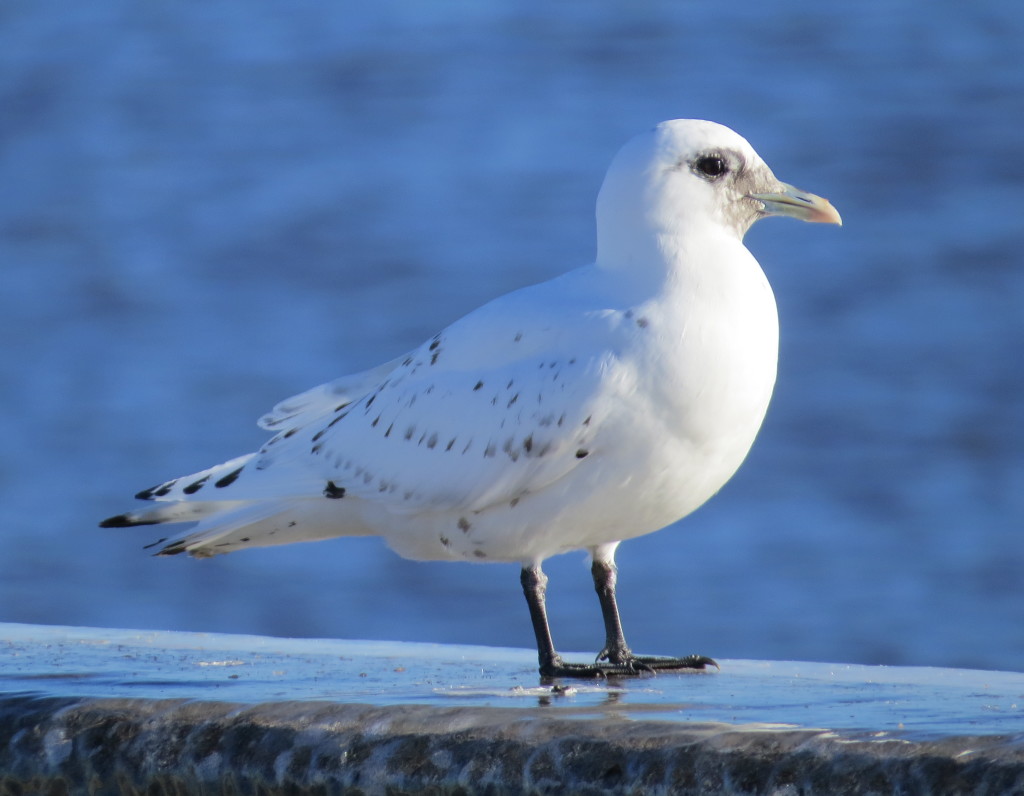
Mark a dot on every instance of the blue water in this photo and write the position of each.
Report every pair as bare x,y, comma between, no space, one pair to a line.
206,208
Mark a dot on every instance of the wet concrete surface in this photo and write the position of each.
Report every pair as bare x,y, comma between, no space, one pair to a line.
120,711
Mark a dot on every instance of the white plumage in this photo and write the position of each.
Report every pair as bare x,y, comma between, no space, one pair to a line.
604,404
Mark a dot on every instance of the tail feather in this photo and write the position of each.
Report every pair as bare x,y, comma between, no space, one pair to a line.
236,507
177,500
182,511
260,524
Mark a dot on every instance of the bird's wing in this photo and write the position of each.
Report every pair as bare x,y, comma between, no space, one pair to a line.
321,400
481,413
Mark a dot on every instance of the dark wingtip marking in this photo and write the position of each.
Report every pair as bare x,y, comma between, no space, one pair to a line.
228,479
156,491
173,549
195,486
120,521
582,453
125,521
334,491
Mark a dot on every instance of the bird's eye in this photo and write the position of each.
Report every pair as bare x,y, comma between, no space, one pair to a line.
711,166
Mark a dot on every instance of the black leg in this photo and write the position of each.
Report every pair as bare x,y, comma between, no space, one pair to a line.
535,584
535,587
620,661
615,647
616,651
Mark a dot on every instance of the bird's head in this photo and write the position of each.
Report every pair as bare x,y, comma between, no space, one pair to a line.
687,174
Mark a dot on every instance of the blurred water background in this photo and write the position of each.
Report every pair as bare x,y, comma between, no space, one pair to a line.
207,207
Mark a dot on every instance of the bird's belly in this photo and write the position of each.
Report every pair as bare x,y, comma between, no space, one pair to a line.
639,478
665,474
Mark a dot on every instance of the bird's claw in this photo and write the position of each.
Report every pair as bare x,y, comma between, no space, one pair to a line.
622,659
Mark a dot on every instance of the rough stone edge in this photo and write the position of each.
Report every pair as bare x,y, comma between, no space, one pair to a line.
123,746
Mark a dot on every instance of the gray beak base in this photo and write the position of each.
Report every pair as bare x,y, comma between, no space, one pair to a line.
793,202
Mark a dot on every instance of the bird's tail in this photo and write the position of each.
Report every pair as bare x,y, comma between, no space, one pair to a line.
203,497
235,509
179,500
259,524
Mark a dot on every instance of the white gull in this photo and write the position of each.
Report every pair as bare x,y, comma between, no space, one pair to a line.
602,405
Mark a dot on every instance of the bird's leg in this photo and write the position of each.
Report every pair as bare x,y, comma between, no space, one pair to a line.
535,584
620,661
615,648
535,587
616,651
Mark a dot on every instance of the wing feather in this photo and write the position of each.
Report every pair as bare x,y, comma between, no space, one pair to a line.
306,406
436,435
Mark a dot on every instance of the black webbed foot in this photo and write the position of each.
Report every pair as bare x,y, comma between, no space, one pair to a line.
631,666
658,663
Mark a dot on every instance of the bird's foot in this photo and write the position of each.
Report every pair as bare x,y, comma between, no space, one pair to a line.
618,654
623,666
658,663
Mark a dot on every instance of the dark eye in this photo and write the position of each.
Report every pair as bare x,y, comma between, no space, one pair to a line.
712,166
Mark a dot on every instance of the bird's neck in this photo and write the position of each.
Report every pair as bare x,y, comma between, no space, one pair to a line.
653,258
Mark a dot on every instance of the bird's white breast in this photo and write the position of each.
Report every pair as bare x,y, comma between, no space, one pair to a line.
704,363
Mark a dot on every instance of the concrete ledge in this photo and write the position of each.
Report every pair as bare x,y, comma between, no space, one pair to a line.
121,746
474,720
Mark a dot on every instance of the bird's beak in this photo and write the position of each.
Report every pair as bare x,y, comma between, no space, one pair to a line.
790,201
